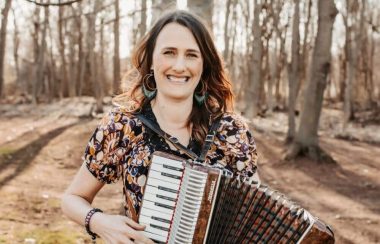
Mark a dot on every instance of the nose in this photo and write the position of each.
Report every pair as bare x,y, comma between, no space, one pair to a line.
179,64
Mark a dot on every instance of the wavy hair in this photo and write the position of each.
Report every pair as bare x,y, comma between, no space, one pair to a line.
214,79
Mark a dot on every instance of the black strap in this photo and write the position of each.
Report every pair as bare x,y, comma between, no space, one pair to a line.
206,146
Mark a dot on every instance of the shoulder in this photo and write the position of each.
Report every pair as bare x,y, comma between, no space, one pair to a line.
231,120
117,119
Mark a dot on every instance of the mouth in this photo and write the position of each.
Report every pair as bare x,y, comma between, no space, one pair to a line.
178,79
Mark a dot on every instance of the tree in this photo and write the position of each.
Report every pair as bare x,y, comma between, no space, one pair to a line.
202,8
256,76
293,69
116,57
3,37
306,140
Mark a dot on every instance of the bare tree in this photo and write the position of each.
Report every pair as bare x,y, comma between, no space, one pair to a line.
16,44
226,34
293,69
202,8
142,24
116,56
91,38
306,140
3,37
256,77
63,67
40,69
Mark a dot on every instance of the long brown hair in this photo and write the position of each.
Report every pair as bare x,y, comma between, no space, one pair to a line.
214,80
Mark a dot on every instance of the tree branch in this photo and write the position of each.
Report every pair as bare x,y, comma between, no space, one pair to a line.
69,2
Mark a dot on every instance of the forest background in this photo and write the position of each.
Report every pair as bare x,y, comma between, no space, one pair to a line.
303,74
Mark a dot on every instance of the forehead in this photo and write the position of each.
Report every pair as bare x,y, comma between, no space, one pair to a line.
177,36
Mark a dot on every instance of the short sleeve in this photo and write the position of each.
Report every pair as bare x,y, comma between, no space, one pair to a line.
239,147
106,148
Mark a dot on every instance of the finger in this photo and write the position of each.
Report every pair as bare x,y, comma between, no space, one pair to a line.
141,238
133,224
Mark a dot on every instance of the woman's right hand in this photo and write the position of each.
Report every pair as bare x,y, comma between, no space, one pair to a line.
117,229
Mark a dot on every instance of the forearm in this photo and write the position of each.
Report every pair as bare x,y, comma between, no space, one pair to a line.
75,207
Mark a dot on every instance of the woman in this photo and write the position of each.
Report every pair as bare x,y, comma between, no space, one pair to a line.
182,87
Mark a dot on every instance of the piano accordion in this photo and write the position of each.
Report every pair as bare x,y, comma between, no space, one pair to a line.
192,203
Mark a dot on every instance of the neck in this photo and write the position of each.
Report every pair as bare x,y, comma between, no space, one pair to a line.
174,113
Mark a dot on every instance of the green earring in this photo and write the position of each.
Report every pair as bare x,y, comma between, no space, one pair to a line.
148,93
200,99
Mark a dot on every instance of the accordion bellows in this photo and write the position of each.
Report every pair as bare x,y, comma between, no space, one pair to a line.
191,203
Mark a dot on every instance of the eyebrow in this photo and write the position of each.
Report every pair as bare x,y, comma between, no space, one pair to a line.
188,50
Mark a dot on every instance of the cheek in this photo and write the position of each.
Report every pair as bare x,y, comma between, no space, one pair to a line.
162,63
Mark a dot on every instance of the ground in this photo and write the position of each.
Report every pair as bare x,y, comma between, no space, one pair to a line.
41,149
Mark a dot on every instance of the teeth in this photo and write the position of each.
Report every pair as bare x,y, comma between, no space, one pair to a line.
178,79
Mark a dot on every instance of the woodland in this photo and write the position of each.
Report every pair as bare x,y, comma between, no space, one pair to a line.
303,72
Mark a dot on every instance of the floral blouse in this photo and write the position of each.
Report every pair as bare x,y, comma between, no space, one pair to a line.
121,147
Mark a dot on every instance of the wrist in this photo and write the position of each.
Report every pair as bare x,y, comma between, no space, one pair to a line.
95,223
88,220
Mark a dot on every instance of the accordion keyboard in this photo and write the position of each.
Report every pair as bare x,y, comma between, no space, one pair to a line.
160,196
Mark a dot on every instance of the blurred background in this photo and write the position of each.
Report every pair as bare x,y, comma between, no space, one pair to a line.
303,72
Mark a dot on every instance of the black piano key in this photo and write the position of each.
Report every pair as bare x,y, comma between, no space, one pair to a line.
164,205
166,189
161,219
171,176
165,197
172,167
159,227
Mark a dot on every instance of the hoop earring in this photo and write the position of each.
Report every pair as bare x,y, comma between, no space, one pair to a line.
199,97
152,92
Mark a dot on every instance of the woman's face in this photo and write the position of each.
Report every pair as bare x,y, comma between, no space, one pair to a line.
177,62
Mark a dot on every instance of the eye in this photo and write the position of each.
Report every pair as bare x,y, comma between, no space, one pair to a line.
192,55
169,52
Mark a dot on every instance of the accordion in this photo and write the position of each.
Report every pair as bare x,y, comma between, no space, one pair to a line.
186,202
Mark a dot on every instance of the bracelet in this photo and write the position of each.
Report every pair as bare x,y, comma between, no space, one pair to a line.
87,222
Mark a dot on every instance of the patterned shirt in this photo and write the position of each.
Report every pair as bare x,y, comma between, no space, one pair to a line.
121,146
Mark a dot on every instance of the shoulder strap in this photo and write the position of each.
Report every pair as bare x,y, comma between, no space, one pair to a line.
209,139
166,136
206,146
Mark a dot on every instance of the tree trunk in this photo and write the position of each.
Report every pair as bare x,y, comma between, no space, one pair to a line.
294,73
21,85
39,77
91,35
116,55
203,8
63,66
3,37
226,32
306,140
143,18
255,84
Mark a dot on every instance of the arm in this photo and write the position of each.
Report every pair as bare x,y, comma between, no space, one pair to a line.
101,165
76,203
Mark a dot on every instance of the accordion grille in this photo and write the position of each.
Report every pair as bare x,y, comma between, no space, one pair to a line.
188,206
246,213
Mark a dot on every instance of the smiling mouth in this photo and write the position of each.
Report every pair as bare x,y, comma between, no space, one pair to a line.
178,79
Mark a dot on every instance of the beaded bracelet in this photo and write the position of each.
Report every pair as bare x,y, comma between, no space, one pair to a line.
87,222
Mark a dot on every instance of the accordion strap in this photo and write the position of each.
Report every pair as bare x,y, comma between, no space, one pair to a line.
206,146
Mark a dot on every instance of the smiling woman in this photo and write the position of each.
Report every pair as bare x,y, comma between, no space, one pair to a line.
182,90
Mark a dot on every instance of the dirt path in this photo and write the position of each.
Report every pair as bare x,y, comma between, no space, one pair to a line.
40,155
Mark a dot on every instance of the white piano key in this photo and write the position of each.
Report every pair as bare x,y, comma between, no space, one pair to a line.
154,198
160,168
154,190
148,220
153,206
158,175
171,162
153,213
155,237
156,231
